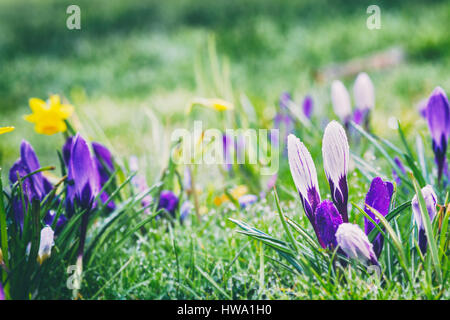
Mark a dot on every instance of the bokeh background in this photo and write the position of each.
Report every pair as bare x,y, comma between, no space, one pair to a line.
134,65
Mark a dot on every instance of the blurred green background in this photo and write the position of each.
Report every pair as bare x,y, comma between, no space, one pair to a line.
133,66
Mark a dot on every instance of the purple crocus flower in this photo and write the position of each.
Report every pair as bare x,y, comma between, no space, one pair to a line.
430,201
379,198
355,244
304,174
438,116
308,106
328,220
247,200
34,187
335,151
358,116
83,177
168,202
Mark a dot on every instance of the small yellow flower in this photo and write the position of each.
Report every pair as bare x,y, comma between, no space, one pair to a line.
236,193
6,129
212,103
49,116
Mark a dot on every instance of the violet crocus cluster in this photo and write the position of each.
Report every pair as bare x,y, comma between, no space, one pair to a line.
303,171
35,186
168,202
438,117
364,99
328,217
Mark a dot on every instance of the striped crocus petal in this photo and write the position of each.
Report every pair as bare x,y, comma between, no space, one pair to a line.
304,175
438,116
335,151
355,244
379,198
430,201
328,220
364,92
341,101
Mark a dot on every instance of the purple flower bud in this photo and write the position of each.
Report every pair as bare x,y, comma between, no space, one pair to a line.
83,177
34,187
355,244
308,106
364,92
335,151
46,244
247,200
328,220
438,115
168,201
379,198
400,167
304,174
341,101
430,201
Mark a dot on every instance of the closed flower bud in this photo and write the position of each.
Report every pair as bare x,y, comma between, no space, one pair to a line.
355,244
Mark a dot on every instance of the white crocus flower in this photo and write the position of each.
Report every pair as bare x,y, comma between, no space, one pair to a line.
304,174
354,242
341,101
46,244
335,152
364,92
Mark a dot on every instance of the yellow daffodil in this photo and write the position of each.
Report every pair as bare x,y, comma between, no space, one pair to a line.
236,193
6,129
212,103
49,116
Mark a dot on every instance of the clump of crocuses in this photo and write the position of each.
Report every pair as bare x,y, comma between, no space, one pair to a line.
330,219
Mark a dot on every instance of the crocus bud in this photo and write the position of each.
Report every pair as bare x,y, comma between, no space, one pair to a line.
355,244
328,220
364,92
335,151
341,101
247,200
35,186
83,177
401,168
379,198
46,244
285,99
430,201
308,106
438,116
228,149
304,174
168,201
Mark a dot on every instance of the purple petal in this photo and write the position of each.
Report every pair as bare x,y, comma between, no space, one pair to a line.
379,198
104,162
246,200
328,220
168,201
285,98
